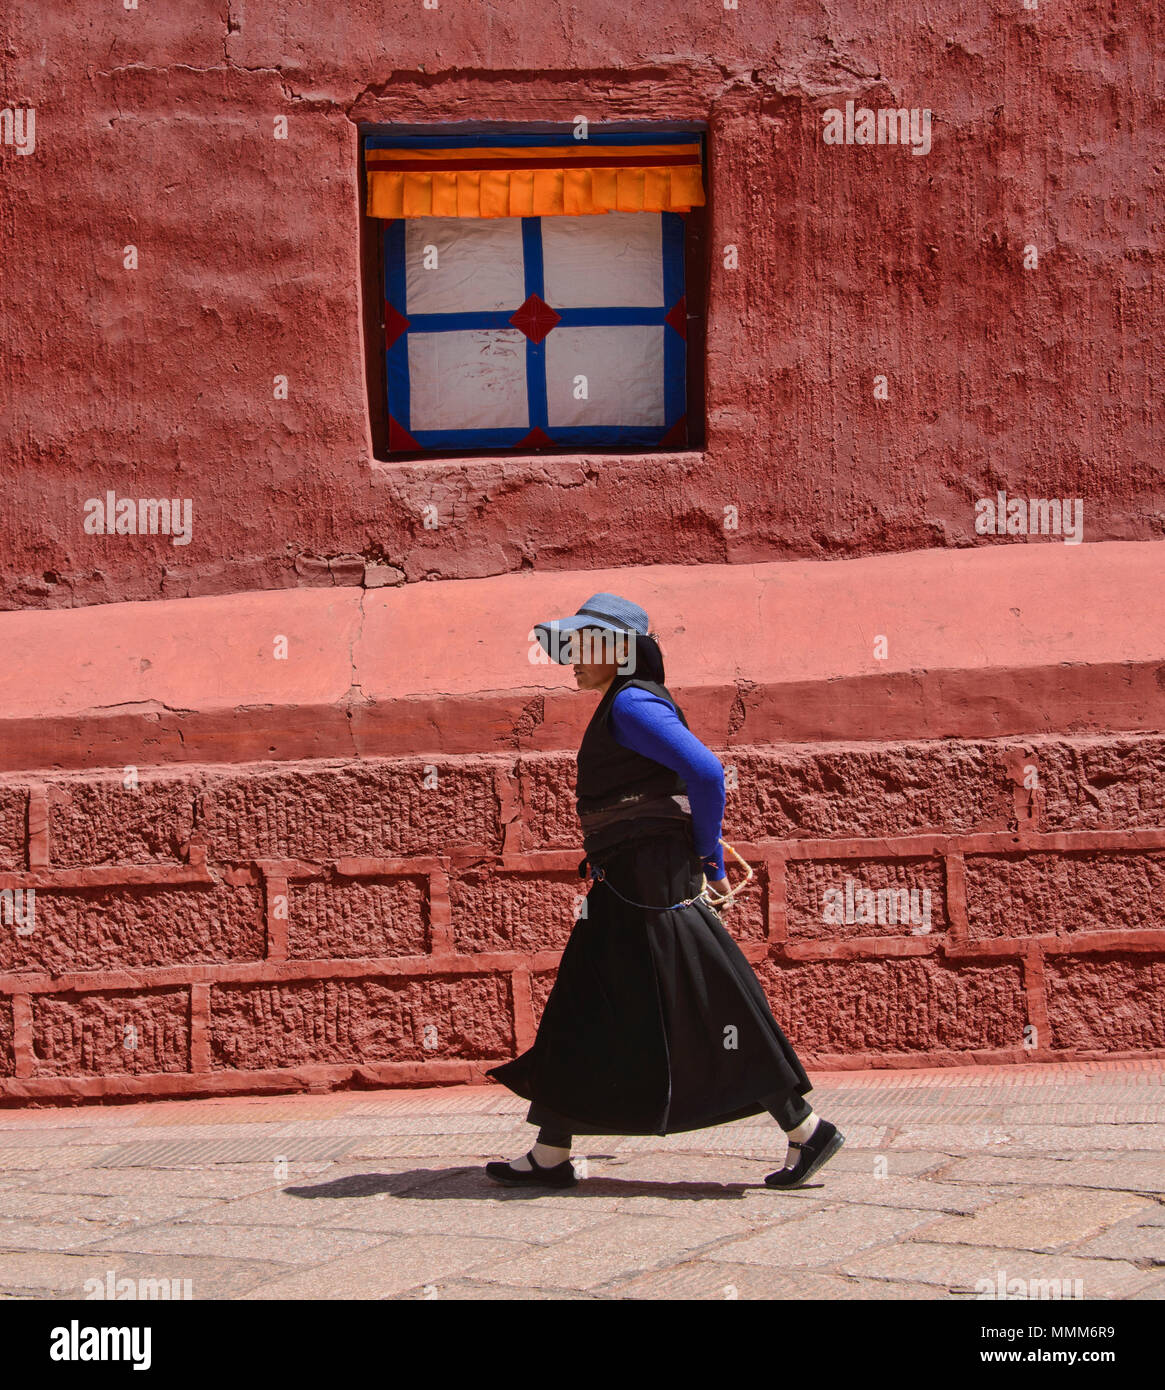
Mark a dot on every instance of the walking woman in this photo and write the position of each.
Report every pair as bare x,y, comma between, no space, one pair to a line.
656,1023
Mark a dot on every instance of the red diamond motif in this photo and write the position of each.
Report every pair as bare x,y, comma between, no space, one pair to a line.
394,325
678,317
535,318
399,437
677,436
536,439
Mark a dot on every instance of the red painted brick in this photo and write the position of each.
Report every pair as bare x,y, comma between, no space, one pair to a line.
359,1020
541,983
106,928
864,791
895,999
7,1053
814,792
546,801
1111,1004
808,881
105,822
369,917
889,1006
513,912
89,1034
378,809
1034,894
746,921
1103,784
13,826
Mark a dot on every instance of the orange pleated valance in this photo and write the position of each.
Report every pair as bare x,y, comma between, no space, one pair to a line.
533,180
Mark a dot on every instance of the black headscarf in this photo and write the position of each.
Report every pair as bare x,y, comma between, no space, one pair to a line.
648,660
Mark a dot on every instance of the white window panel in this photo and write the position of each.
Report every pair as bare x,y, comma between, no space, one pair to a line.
623,368
471,379
612,258
479,264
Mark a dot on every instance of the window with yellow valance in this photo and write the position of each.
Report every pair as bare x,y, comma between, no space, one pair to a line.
512,316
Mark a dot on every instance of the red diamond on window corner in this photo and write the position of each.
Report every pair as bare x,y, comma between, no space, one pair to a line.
399,437
535,318
677,316
535,439
677,436
395,324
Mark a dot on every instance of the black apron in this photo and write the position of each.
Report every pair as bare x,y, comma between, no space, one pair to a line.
656,1023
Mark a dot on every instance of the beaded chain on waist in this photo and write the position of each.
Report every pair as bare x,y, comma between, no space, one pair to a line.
604,828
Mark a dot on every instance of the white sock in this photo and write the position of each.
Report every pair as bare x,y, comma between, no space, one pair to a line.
800,1134
546,1155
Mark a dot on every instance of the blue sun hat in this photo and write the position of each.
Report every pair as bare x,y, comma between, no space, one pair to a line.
610,612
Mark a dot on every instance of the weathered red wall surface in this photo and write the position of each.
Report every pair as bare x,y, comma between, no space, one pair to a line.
274,929
155,128
313,912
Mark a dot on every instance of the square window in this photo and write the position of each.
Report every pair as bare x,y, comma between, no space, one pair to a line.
534,290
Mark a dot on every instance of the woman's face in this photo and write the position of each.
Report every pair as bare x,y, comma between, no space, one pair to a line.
599,660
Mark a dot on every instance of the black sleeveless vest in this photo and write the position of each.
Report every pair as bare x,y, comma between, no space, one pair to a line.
606,770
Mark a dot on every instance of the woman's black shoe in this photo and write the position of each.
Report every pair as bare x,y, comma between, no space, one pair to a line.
821,1145
561,1175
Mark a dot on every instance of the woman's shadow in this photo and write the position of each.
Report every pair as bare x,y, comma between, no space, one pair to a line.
435,1184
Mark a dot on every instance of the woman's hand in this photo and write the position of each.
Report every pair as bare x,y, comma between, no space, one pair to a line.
719,885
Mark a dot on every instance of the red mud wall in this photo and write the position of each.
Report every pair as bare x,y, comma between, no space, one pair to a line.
155,128
243,929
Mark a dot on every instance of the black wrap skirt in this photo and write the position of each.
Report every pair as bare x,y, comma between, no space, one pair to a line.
656,1023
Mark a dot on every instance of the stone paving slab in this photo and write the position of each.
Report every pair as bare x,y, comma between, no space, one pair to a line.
294,1245
53,1235
52,1117
1046,1220
35,1138
266,1148
725,1281
401,1124
958,1268
1045,1172
921,1192
30,1160
392,1267
1035,1139
47,1274
1134,1239
116,1136
127,1208
1126,1173
222,1181
472,1290
618,1246
869,1111
817,1239
465,1146
516,1220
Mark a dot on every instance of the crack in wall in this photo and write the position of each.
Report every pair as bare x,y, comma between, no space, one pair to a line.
354,686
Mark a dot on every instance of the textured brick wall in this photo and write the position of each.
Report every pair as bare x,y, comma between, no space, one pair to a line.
249,928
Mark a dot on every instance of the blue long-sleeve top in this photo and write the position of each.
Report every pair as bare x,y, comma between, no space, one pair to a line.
647,724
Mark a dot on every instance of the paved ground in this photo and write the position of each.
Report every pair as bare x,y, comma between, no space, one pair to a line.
947,1178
